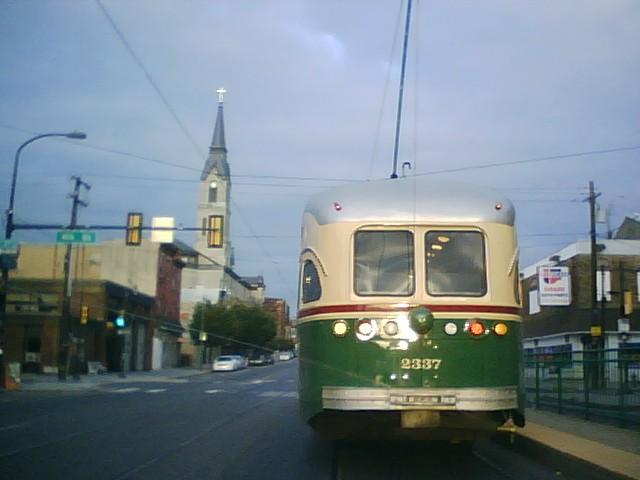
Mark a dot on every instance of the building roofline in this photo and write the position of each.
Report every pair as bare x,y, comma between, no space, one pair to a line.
583,247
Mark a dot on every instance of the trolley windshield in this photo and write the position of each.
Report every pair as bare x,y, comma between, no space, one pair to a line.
455,263
384,263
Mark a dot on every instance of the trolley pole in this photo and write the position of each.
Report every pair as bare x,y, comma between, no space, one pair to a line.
394,173
65,330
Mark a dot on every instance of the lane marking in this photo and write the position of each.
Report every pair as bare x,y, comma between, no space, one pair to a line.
285,394
15,425
126,390
260,381
270,394
215,390
157,390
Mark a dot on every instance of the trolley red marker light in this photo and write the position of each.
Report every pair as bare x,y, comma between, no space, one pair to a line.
476,328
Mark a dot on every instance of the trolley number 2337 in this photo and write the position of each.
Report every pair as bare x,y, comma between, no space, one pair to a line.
420,363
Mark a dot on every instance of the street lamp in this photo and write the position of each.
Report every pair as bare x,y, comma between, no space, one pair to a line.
73,135
9,227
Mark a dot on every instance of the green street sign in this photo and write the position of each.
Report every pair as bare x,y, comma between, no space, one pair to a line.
75,236
9,247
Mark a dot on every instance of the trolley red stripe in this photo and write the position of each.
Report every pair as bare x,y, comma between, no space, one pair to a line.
307,312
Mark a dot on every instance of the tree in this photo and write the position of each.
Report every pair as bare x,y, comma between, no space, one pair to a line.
279,343
233,326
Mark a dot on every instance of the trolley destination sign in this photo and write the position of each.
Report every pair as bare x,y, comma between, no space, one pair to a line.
76,236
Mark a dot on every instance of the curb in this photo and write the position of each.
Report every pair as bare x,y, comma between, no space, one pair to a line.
80,386
560,461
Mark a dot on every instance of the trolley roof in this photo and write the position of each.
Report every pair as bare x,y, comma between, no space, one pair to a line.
411,199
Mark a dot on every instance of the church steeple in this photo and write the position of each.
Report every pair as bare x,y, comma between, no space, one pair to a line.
215,196
218,150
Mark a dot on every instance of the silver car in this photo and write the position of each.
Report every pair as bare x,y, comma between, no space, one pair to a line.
226,363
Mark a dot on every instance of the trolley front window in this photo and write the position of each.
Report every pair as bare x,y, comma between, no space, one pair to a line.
384,263
455,264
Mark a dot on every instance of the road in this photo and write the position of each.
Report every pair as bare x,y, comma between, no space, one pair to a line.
232,425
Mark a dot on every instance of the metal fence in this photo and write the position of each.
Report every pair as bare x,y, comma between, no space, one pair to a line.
599,385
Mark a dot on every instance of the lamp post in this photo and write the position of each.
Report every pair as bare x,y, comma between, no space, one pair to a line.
16,161
9,226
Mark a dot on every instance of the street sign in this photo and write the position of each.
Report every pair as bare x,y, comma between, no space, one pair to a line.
75,236
9,247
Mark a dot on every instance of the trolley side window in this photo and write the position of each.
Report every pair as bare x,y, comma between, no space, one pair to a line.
455,264
384,263
311,288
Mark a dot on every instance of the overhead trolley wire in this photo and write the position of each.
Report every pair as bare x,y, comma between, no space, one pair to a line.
338,179
531,160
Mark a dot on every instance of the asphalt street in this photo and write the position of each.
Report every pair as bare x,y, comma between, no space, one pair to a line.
231,425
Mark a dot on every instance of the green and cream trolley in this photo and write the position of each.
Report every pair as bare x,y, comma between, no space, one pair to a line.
409,311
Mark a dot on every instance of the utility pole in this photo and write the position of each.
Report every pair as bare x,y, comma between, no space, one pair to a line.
594,262
65,331
592,363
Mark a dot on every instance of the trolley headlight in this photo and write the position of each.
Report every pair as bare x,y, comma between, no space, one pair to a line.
476,328
340,328
500,329
450,328
366,329
391,328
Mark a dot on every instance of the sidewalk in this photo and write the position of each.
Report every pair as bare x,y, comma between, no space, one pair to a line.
615,450
50,382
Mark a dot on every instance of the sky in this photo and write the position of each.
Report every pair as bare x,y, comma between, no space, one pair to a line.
311,99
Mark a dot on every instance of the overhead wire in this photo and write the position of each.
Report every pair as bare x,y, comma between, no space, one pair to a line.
168,106
149,78
345,179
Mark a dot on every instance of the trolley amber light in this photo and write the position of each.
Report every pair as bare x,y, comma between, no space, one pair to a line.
500,329
340,328
476,328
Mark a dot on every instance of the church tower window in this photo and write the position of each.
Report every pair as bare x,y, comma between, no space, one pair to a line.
213,192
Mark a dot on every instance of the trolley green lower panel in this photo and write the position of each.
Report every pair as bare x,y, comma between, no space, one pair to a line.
436,372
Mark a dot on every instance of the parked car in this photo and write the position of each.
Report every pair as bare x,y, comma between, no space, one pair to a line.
226,363
242,360
286,355
261,359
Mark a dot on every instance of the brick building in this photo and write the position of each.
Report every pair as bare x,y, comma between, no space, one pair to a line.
108,279
568,327
279,308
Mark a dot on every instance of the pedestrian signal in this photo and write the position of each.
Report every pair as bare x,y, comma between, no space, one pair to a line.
120,322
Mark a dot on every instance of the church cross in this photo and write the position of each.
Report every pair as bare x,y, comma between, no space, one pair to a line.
221,91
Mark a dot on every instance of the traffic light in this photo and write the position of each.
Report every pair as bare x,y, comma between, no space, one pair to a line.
84,314
215,226
134,228
120,321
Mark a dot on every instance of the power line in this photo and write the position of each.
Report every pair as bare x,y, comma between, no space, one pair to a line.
531,160
149,77
336,179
